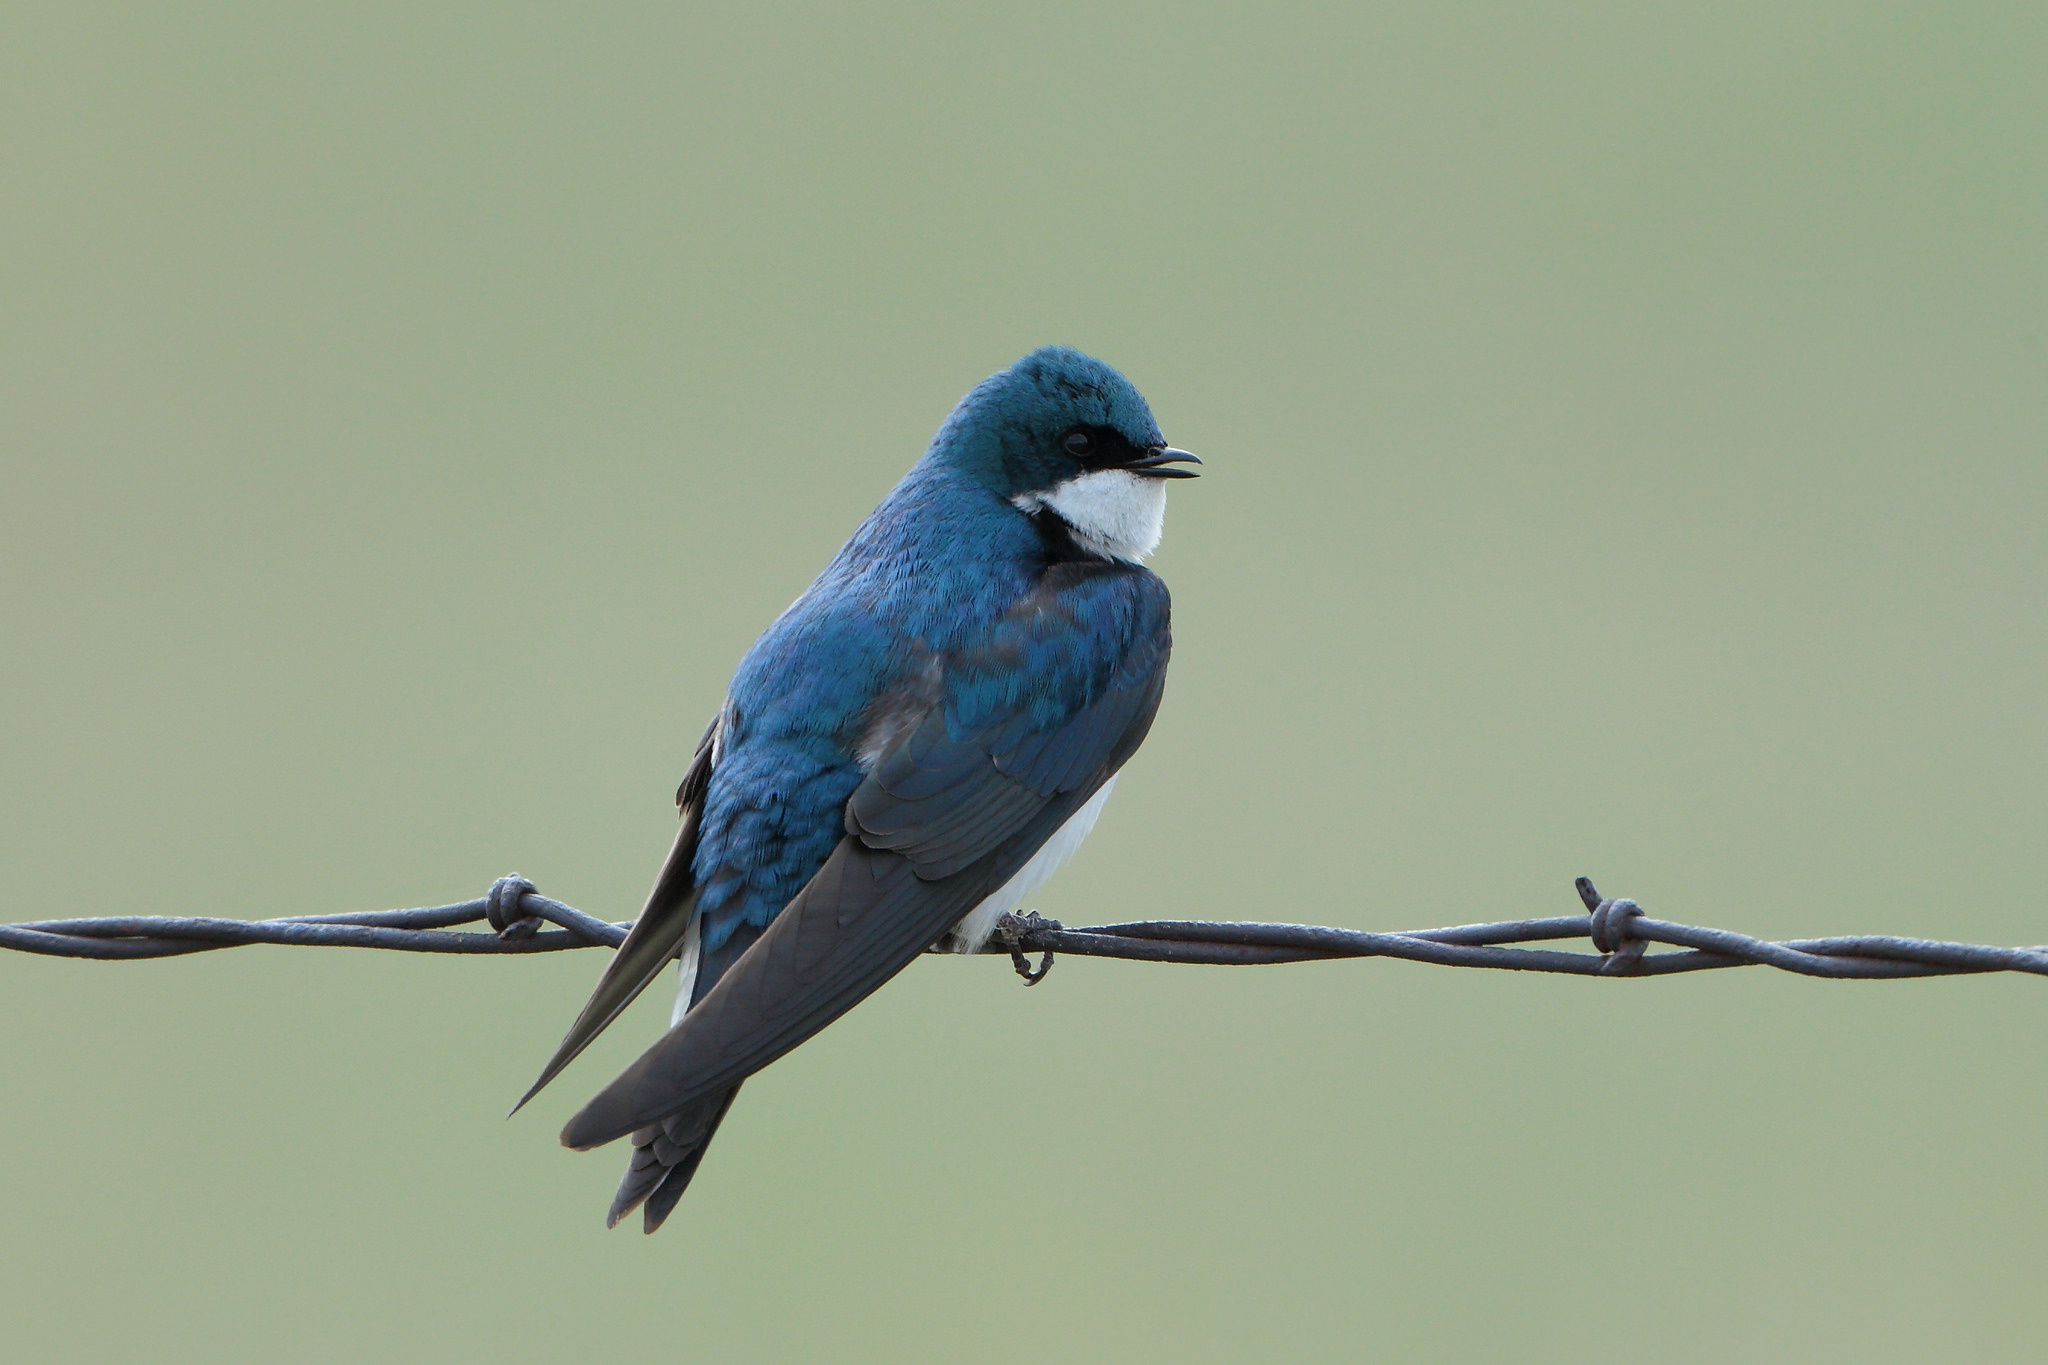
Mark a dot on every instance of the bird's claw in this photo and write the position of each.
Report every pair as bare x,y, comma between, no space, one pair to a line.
1013,929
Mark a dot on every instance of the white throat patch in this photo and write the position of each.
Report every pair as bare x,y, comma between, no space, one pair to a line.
1112,512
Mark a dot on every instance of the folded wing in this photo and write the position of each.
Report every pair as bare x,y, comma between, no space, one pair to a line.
943,819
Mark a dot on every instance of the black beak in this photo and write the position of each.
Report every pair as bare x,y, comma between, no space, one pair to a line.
1155,462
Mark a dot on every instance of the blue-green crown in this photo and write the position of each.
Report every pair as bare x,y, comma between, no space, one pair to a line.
1007,431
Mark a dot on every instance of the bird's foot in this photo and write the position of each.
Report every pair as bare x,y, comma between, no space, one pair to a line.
1013,929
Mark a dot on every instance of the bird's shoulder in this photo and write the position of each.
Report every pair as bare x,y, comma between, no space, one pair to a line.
1082,626
999,646
945,579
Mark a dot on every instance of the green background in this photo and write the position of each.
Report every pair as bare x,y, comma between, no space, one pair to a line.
1627,441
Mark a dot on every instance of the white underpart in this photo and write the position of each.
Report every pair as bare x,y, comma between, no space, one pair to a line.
686,970
1113,513
978,924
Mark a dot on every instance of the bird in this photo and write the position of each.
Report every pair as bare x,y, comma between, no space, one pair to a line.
910,750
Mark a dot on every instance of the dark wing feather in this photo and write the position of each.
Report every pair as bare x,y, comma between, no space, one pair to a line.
654,938
1065,758
939,804
936,827
943,803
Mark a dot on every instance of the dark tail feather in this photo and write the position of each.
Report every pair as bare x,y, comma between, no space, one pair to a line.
666,1152
665,1156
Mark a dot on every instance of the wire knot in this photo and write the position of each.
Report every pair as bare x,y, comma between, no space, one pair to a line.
1611,935
502,907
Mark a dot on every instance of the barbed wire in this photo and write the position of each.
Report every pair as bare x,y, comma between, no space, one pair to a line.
1619,931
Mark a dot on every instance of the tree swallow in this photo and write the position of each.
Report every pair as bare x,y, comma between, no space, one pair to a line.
906,754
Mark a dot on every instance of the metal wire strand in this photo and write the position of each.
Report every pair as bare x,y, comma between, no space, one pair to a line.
513,907
1619,931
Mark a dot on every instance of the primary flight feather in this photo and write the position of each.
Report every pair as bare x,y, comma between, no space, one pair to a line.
905,755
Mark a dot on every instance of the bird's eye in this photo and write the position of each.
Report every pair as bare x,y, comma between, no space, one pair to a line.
1079,443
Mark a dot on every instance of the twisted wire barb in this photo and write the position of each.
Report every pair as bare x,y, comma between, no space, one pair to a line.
1620,932
514,910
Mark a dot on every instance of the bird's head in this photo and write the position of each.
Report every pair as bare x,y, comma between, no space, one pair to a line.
1060,434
